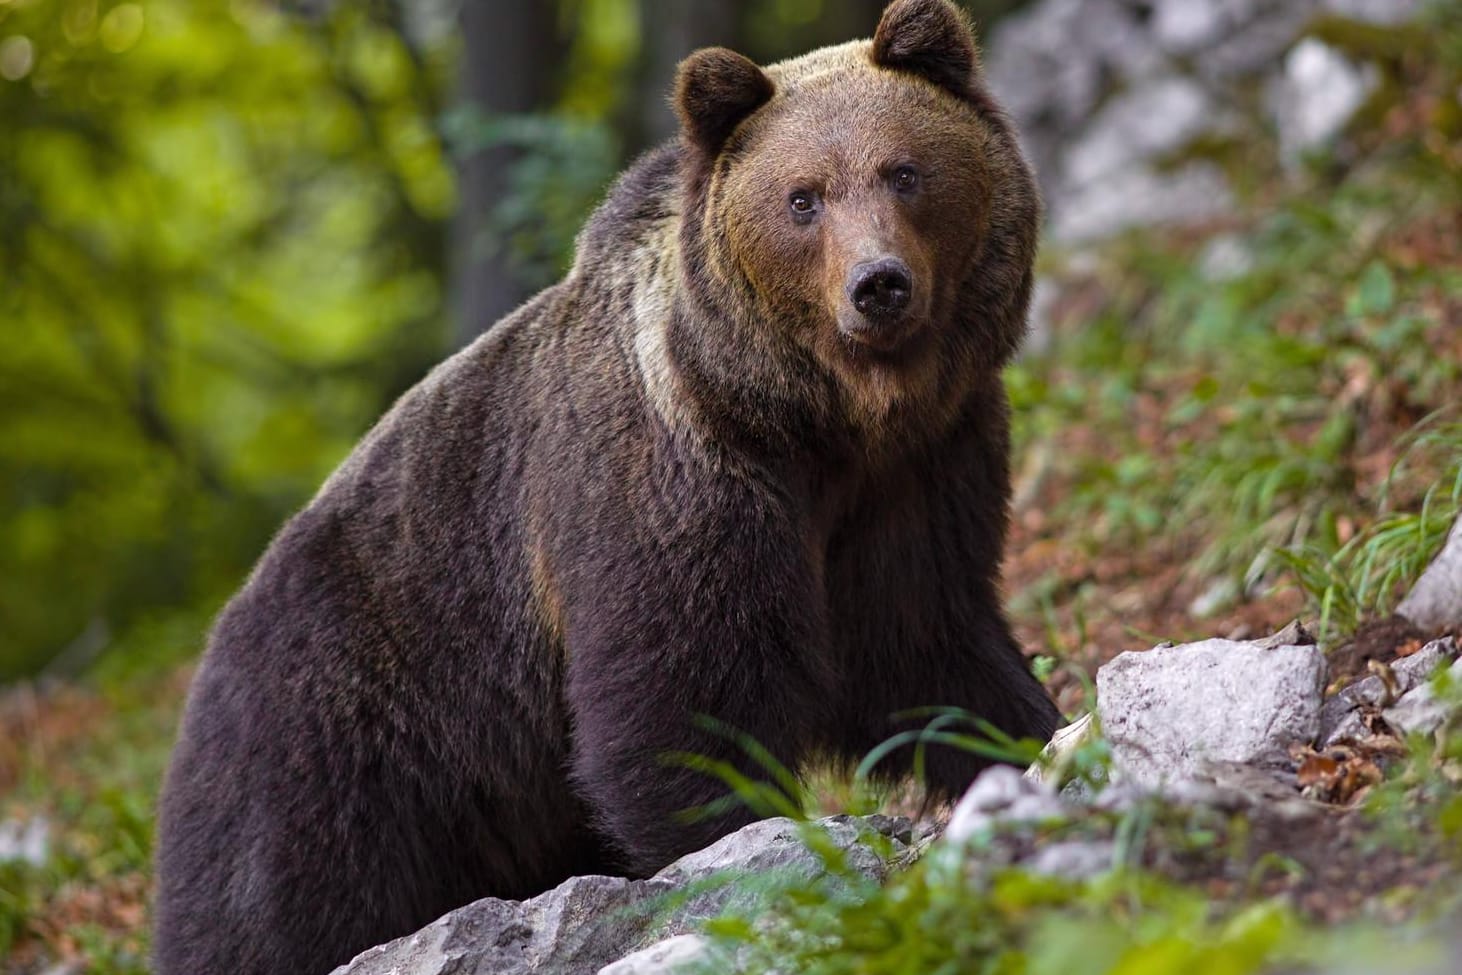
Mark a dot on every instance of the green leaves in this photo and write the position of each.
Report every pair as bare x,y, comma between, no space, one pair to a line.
1375,292
221,261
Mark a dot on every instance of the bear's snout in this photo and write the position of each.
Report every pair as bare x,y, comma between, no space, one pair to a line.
881,288
882,309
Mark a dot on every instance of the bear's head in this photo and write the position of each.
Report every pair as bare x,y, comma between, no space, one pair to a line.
863,218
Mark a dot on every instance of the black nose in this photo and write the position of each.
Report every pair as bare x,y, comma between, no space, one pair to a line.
880,288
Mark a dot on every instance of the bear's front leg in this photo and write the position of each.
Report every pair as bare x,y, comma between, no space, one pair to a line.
706,606
914,593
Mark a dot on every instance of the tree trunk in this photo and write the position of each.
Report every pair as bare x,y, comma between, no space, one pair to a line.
671,29
512,53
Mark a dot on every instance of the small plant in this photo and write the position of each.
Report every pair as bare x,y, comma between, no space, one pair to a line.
1361,577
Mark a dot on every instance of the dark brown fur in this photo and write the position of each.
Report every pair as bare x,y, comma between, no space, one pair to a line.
677,483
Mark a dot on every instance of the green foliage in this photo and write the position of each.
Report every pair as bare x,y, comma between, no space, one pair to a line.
1362,577
983,739
780,791
562,166
222,258
938,918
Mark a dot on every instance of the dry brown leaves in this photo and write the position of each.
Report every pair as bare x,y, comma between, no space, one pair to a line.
1343,774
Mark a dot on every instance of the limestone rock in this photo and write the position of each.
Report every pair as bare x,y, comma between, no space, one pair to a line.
578,927
26,840
588,923
1001,794
1170,711
664,958
1421,712
1148,121
1435,602
1061,747
1340,716
1073,859
1318,92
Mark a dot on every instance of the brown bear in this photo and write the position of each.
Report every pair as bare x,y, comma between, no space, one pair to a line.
748,460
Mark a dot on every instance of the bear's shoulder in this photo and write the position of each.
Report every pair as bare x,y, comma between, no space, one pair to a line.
645,200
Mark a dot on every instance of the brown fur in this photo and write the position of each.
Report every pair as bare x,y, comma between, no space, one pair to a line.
686,480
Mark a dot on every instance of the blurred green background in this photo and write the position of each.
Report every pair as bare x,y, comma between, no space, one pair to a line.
232,231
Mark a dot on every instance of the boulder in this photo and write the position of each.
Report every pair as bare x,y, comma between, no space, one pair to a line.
588,923
1317,93
999,795
1073,859
1170,712
1435,602
678,953
1421,712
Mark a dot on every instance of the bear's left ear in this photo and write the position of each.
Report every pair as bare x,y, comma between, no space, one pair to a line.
714,90
930,38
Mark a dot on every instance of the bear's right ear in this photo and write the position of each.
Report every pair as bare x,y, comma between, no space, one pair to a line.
714,90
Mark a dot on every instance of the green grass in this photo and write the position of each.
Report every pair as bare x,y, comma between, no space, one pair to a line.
943,917
1363,576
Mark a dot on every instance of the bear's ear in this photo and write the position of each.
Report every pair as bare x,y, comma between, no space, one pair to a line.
930,38
714,90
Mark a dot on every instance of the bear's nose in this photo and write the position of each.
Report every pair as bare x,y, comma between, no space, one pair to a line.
880,288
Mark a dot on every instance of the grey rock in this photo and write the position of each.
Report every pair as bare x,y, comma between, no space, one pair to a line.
1074,859
1059,750
1169,711
1435,602
1186,25
1223,786
1140,196
1421,712
1316,95
587,923
1145,122
1105,93
1253,47
1350,725
1054,62
1001,795
579,926
677,953
1340,716
25,840
1293,634
1041,331
1374,11
1233,786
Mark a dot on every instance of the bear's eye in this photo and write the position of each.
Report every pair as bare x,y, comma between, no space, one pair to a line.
803,204
905,178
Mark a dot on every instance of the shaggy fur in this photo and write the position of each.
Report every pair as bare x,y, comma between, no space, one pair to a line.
689,479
